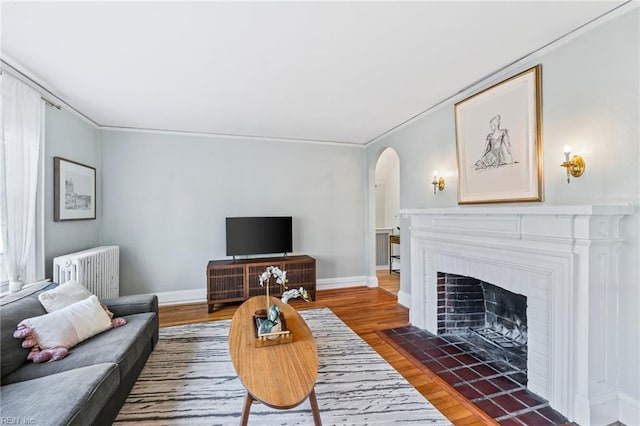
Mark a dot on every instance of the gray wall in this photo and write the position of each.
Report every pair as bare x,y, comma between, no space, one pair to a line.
166,197
70,137
590,100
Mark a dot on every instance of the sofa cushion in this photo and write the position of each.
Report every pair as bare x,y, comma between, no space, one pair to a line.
13,309
73,397
64,295
122,346
70,325
133,304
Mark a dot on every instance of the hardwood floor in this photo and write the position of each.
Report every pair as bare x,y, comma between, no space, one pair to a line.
365,310
389,281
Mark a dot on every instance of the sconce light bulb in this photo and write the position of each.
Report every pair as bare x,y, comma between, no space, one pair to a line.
435,173
575,166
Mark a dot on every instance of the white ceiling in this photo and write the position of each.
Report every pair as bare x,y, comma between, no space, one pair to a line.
325,71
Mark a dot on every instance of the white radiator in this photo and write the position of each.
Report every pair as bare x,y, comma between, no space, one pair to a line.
98,269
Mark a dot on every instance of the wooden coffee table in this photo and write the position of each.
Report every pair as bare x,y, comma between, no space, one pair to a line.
280,376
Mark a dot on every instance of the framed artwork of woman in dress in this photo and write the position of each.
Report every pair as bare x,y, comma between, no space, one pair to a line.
498,142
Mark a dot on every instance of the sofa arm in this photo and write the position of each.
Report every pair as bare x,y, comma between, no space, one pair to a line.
135,304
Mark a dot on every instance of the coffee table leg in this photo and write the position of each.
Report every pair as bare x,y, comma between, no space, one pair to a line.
314,408
248,400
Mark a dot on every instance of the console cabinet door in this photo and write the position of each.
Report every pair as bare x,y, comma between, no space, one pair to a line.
225,284
254,270
302,273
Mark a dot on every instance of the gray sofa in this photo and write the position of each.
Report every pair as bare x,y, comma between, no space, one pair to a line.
90,385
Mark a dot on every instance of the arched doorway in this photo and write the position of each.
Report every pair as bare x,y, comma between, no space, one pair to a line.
387,220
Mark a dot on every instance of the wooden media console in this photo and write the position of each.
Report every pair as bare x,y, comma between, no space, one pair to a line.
237,280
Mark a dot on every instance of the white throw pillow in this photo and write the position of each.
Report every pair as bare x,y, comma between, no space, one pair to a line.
69,326
62,296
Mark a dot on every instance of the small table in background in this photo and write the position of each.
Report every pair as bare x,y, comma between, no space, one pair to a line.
393,239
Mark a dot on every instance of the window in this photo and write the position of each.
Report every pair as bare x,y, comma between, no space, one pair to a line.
21,158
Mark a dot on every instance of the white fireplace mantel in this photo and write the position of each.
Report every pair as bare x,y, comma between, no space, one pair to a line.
565,260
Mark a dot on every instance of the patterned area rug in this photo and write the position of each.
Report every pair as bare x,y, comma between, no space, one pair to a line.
189,379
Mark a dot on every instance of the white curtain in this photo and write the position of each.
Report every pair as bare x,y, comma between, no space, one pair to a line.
21,115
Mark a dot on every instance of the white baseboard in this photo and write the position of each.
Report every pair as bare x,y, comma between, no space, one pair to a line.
167,298
601,409
344,282
372,282
628,409
382,268
404,299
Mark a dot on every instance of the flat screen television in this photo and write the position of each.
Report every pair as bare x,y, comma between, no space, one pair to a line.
259,235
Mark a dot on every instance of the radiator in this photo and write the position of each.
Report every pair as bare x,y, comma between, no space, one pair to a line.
98,269
382,248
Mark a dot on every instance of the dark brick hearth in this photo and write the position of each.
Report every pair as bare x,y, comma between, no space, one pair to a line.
494,386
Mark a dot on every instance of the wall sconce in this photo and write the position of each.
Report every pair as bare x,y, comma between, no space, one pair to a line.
575,166
438,183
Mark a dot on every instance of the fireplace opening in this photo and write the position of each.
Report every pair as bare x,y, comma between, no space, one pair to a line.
488,316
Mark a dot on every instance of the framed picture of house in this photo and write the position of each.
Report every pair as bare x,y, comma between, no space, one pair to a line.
498,142
74,187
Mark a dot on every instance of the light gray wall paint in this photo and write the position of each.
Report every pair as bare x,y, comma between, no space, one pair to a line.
166,197
590,100
70,137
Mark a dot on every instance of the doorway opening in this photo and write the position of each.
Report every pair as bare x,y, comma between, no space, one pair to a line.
387,221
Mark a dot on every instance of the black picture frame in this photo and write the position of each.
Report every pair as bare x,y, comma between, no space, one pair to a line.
74,190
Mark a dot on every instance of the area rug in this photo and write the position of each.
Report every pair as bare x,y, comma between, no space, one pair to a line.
189,379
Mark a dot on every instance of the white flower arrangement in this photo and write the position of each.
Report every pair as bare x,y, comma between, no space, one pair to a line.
293,293
275,272
281,278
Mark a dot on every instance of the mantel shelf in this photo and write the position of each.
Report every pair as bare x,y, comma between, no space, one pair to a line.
538,209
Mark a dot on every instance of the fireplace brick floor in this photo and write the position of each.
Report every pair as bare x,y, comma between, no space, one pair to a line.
494,386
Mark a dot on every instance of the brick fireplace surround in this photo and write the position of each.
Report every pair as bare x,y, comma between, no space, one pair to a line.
564,260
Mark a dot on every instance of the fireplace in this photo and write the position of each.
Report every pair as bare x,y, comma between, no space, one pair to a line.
468,304
563,260
493,318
